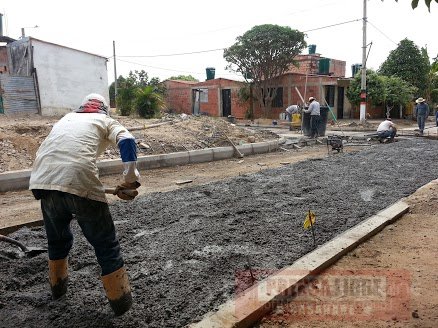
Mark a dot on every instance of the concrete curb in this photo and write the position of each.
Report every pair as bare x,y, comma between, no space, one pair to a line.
19,180
260,299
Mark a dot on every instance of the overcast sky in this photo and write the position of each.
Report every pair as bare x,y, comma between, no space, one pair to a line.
144,31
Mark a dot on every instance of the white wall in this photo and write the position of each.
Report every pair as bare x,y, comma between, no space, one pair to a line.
66,76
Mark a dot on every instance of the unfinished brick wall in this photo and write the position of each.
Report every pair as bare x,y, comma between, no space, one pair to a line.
309,64
337,67
179,96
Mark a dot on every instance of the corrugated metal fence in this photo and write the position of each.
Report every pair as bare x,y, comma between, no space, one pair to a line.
18,93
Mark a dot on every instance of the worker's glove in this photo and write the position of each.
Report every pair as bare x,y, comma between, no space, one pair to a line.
127,191
127,194
129,185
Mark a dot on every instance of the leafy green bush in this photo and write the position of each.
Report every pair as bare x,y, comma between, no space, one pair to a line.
148,102
125,98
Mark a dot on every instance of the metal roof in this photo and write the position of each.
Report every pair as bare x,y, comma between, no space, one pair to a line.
6,39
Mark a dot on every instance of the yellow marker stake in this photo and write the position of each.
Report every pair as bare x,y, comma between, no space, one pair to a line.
309,222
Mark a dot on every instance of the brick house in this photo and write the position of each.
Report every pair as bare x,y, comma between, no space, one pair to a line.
215,97
316,76
320,77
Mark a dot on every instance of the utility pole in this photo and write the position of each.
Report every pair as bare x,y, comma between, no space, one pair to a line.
23,34
115,73
363,84
1,24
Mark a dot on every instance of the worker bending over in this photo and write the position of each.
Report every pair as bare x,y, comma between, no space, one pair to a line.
387,129
66,179
292,109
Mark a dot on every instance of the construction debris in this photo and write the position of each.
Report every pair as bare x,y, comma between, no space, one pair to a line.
180,182
20,137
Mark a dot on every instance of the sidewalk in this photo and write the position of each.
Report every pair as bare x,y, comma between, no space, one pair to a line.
352,128
405,251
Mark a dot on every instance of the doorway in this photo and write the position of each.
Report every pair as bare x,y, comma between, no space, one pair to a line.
226,102
341,91
196,100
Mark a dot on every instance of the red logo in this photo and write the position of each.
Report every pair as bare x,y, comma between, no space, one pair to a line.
333,295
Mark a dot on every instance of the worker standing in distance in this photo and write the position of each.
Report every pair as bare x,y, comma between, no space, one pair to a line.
65,178
436,115
421,112
315,116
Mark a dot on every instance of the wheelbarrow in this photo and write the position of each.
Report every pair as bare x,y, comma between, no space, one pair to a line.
29,251
336,143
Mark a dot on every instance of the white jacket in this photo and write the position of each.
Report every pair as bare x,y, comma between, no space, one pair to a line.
66,160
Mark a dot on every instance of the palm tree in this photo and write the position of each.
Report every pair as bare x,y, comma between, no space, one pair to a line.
148,102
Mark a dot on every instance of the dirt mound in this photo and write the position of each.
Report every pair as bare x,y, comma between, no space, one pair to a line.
20,137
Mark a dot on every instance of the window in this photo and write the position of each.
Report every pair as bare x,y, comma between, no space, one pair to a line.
330,94
278,100
203,95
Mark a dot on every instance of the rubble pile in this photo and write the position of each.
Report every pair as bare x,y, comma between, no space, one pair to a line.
21,137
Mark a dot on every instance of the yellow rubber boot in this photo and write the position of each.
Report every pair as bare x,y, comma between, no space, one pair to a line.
58,277
118,291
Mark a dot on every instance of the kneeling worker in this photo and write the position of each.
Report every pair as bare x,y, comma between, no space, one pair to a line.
65,178
387,129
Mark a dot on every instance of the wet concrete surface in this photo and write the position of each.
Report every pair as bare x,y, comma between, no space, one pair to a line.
184,249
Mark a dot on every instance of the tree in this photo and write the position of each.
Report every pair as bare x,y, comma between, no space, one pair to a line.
133,87
245,96
112,90
408,63
148,102
262,55
414,3
389,91
126,94
183,78
375,89
432,90
397,93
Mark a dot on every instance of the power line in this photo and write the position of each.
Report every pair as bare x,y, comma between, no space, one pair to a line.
221,49
161,68
166,69
176,54
382,33
327,26
204,51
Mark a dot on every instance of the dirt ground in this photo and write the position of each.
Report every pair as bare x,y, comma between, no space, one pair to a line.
21,136
184,247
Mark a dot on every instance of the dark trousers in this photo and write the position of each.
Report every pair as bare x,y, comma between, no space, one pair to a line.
314,125
387,134
421,120
96,223
289,119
